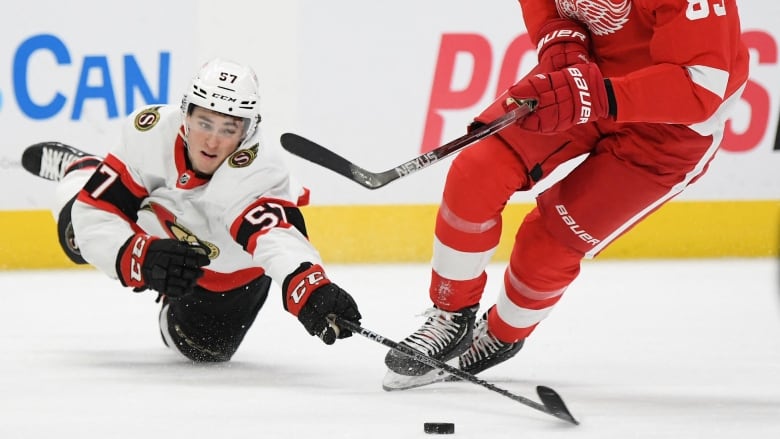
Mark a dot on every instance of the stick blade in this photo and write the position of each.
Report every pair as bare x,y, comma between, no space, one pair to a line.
555,404
314,152
318,154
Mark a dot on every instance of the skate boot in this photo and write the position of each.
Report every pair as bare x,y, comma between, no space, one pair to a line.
443,336
51,160
486,351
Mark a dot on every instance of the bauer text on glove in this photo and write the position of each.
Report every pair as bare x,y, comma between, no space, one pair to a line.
169,266
575,95
561,43
313,298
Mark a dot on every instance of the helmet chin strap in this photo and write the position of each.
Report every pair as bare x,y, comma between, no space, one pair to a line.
185,124
186,137
248,124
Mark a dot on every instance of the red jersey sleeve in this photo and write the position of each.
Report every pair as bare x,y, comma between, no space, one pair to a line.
698,60
536,13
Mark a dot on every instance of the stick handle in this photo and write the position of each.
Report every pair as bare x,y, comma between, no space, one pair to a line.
328,159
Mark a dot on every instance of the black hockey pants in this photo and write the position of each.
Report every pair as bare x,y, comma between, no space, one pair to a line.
209,327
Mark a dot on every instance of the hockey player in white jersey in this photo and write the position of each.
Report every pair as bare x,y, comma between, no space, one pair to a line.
190,204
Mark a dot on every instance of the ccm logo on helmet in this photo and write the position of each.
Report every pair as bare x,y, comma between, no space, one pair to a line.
223,97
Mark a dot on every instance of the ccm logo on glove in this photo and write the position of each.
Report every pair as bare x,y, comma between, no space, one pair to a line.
136,255
169,266
314,299
302,285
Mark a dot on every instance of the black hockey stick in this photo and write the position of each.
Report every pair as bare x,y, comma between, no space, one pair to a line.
552,404
326,158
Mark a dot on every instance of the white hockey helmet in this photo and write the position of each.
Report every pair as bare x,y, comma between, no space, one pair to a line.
227,88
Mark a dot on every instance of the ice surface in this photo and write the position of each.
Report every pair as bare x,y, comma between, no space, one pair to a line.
652,349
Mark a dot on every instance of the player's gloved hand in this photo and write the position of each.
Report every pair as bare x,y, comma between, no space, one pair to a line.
561,43
313,298
575,95
169,266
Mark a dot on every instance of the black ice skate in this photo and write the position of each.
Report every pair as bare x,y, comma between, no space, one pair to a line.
486,351
443,336
51,160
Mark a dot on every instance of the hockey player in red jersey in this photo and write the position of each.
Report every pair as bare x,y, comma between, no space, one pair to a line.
190,204
643,88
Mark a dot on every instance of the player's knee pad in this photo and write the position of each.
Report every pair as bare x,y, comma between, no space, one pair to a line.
187,336
208,327
540,259
66,236
482,178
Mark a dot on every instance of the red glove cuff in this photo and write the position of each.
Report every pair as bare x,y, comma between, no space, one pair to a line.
561,43
131,259
562,30
301,286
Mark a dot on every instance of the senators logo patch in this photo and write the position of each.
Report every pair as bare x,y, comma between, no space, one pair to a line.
243,157
147,119
177,231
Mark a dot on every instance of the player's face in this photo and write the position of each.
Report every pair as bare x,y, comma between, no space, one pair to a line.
212,138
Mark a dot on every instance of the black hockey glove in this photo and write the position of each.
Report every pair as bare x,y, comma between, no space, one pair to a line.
168,266
312,297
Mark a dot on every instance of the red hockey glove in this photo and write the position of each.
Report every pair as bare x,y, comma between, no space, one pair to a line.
169,266
562,43
313,298
569,97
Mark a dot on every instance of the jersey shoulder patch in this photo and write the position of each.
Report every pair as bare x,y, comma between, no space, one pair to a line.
243,157
147,118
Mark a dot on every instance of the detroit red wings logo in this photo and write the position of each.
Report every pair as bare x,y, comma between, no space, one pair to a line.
602,17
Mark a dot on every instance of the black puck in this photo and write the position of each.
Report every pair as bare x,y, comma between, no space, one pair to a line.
439,427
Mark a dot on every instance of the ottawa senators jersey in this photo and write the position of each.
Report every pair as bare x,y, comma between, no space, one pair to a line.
246,214
669,61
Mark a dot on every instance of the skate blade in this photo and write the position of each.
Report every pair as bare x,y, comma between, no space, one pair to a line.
396,381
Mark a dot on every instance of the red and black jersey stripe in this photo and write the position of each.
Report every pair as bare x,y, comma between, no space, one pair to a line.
112,189
262,216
